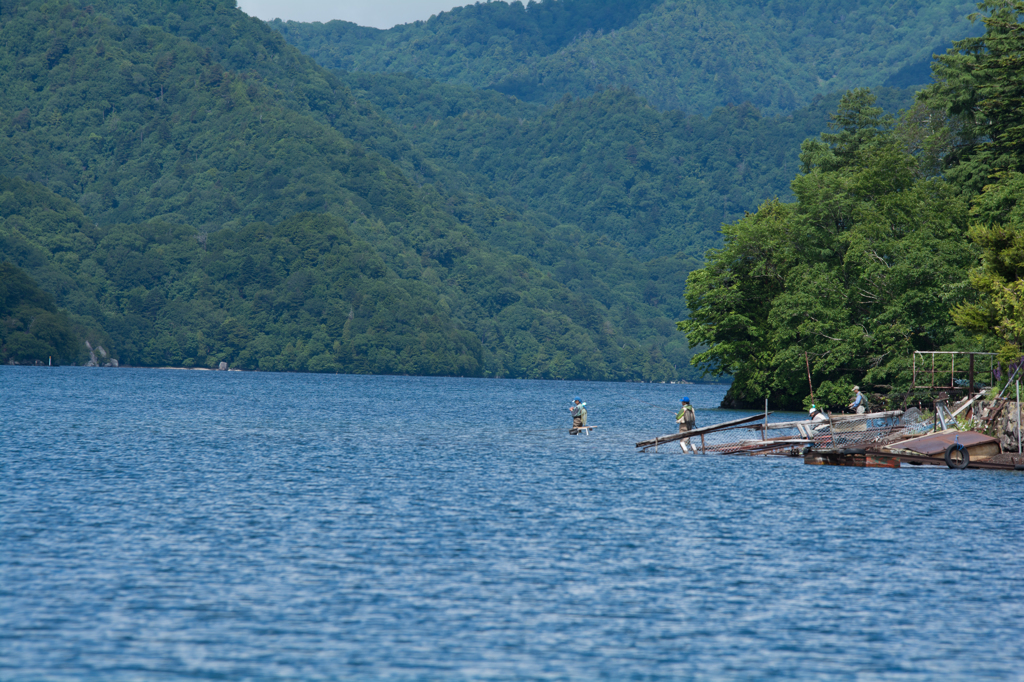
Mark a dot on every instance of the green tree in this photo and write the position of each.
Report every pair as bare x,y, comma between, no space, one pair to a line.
979,90
32,329
998,229
850,279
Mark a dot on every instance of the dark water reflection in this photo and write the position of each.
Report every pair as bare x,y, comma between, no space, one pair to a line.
165,525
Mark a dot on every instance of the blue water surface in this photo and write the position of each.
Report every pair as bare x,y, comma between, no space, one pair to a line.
186,525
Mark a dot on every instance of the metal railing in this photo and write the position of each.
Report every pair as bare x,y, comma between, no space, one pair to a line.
926,369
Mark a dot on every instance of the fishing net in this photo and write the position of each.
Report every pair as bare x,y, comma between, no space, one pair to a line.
916,422
862,430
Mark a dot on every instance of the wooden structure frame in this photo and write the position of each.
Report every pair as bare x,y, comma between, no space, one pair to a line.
952,369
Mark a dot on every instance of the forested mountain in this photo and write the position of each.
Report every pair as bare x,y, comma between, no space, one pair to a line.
685,55
204,174
658,183
181,186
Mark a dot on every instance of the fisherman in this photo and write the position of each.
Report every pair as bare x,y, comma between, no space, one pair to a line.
579,415
858,404
820,417
687,420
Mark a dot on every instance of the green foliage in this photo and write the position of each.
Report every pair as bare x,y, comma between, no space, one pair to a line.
212,195
978,88
852,278
311,294
32,330
998,229
687,55
203,116
977,85
170,134
831,396
655,183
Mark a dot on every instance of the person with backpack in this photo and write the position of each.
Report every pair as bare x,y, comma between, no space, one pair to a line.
859,404
687,420
578,410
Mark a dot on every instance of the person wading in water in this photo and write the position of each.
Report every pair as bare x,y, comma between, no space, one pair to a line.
687,420
579,415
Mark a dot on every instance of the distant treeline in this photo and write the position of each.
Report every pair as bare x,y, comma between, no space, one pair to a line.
686,55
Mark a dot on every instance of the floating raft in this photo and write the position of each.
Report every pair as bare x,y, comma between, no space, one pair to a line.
947,448
953,449
853,459
873,440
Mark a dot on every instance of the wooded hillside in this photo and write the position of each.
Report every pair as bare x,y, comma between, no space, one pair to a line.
205,173
685,55
189,189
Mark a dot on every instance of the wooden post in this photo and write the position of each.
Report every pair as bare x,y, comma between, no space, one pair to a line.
764,429
809,384
970,376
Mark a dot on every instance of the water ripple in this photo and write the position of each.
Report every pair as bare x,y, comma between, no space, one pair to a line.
169,525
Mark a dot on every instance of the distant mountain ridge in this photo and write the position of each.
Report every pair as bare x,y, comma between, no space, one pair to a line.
177,176
688,55
657,183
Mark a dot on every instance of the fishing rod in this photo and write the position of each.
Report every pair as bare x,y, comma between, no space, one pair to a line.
659,407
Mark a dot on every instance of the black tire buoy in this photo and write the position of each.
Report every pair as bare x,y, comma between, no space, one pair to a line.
962,459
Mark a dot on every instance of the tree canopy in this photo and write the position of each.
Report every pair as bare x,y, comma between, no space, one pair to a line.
844,283
190,189
160,137
32,329
978,99
687,55
906,235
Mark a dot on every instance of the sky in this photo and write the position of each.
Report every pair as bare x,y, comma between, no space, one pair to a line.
377,13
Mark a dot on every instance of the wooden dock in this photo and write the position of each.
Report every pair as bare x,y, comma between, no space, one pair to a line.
948,448
873,440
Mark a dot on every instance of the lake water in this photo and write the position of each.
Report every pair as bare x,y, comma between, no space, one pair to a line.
176,525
